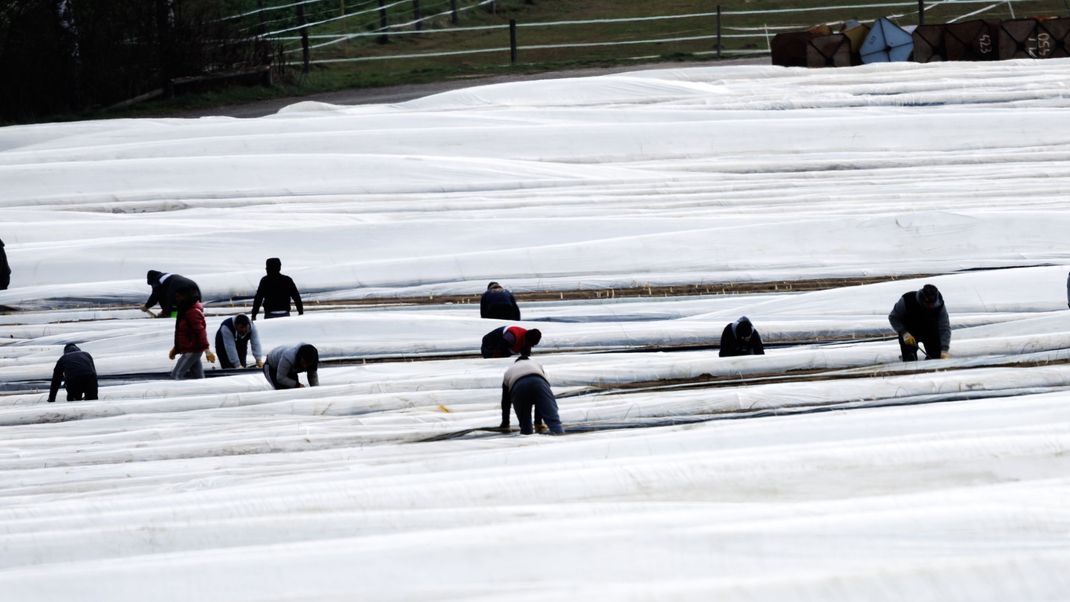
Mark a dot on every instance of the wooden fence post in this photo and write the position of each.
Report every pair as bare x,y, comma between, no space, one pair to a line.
453,12
305,59
383,39
718,31
416,16
163,45
260,29
512,41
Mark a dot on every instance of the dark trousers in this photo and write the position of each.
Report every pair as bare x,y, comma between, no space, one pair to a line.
269,374
82,388
931,343
534,392
278,313
221,351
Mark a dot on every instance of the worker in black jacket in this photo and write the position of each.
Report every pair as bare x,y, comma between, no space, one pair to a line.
165,288
275,291
78,373
497,302
920,318
740,338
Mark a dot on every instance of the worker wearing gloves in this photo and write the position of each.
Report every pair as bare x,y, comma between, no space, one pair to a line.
191,338
165,291
920,318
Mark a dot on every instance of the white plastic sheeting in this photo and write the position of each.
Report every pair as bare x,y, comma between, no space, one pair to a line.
825,470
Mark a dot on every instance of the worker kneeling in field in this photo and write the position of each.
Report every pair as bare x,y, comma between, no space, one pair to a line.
78,373
740,338
525,387
232,340
285,363
920,318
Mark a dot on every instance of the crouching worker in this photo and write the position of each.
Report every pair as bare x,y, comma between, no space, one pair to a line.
191,337
232,340
165,290
75,367
498,303
740,338
284,363
920,317
525,387
505,341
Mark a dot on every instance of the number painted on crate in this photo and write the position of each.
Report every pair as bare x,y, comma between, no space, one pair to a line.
1040,46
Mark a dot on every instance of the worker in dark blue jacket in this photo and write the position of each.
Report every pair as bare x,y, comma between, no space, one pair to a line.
78,373
498,303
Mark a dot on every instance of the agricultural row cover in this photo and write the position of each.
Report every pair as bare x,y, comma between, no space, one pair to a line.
826,469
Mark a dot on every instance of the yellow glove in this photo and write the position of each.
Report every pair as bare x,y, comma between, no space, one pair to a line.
944,355
259,363
171,353
211,356
910,340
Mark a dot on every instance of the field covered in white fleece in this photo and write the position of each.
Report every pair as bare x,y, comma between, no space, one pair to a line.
825,470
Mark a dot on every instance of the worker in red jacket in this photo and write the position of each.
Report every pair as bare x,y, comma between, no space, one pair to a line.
191,338
506,341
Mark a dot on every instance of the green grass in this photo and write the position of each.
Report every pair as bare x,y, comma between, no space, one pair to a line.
373,73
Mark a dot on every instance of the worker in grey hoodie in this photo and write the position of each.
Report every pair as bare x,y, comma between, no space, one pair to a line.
284,363
525,387
78,373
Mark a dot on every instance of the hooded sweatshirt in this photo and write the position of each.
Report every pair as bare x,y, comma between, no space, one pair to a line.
282,361
72,366
732,345
275,291
911,315
164,289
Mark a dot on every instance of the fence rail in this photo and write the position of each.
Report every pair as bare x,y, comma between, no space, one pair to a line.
721,32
